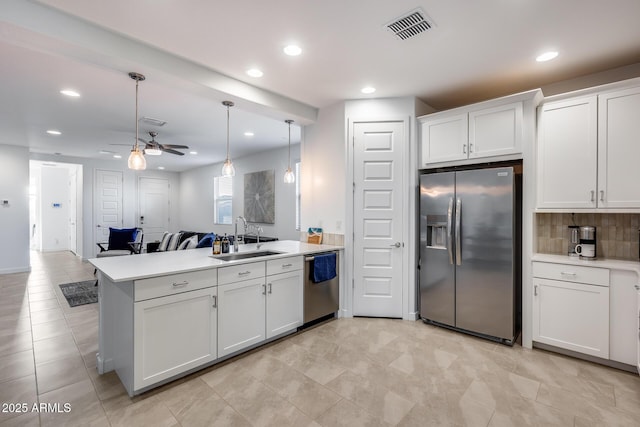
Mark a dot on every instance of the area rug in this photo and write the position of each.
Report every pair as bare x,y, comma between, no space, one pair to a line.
80,293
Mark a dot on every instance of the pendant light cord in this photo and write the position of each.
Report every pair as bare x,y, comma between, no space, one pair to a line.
228,132
135,146
289,145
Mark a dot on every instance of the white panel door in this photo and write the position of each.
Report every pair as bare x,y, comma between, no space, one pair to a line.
619,149
107,204
73,217
153,207
378,218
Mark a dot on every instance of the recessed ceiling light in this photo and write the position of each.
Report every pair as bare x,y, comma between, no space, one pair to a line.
106,152
193,152
161,167
117,156
292,50
547,56
368,89
70,92
54,132
254,72
248,134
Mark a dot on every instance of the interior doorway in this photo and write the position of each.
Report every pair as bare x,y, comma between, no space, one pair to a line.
55,206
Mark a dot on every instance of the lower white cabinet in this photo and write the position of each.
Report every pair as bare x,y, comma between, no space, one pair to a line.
284,302
623,328
173,334
241,315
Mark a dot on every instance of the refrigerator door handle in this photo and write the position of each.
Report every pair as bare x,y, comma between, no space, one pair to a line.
458,246
450,230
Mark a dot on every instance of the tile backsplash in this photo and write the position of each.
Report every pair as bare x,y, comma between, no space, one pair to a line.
616,234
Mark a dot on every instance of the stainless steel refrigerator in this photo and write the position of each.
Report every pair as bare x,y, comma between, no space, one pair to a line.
470,250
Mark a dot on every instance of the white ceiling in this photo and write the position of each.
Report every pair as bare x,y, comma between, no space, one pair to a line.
195,54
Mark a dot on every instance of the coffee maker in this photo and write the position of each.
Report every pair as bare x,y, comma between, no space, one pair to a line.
587,247
573,240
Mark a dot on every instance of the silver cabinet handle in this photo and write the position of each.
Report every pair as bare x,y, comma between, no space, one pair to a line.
593,195
287,265
243,273
215,301
181,284
450,230
464,148
637,287
269,287
535,290
458,232
602,195
565,273
396,245
264,289
470,148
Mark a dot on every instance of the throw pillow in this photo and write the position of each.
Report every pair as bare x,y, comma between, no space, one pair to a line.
169,242
189,243
206,241
119,238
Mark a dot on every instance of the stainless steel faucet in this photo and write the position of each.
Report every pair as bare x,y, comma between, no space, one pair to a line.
244,231
256,229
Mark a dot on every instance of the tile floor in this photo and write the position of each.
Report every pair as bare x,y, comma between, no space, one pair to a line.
347,372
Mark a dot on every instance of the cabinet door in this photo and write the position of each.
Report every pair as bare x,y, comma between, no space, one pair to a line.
567,154
623,330
444,139
284,302
619,149
573,316
495,131
173,334
241,315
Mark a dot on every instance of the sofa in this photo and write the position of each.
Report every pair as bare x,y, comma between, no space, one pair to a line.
184,240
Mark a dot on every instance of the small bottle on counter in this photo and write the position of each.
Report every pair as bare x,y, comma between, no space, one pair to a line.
225,244
216,245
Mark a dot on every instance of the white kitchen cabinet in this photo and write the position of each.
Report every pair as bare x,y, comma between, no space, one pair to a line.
173,334
623,328
489,129
567,153
284,311
495,131
619,149
241,315
444,138
569,314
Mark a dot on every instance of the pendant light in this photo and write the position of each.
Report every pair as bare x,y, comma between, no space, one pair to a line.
136,158
289,176
227,169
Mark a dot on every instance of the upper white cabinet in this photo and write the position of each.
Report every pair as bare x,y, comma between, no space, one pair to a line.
485,130
587,151
567,153
619,149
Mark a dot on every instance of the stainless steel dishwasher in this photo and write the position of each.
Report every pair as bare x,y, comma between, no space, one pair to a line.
320,299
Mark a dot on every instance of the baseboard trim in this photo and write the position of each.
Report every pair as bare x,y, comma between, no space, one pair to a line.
26,269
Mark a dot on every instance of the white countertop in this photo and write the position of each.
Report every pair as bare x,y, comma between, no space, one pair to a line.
133,267
616,264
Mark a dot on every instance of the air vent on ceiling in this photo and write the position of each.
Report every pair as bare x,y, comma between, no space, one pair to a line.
152,121
409,25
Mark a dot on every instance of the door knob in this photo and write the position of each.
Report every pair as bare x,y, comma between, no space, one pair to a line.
396,245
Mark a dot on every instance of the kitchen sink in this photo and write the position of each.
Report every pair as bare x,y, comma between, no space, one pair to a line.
241,255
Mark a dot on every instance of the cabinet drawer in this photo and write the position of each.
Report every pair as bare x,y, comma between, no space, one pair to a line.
572,273
173,284
282,265
236,273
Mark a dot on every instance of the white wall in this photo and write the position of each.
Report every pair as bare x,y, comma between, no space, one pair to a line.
196,194
54,189
324,171
129,191
14,217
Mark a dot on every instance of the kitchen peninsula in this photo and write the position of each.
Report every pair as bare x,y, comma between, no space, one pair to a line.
164,315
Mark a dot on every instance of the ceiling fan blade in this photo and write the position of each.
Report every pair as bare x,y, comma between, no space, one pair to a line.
169,150
184,147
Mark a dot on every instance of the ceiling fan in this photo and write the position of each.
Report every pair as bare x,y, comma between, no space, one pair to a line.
154,148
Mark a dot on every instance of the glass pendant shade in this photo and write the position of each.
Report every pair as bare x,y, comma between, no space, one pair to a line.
137,160
228,169
289,176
